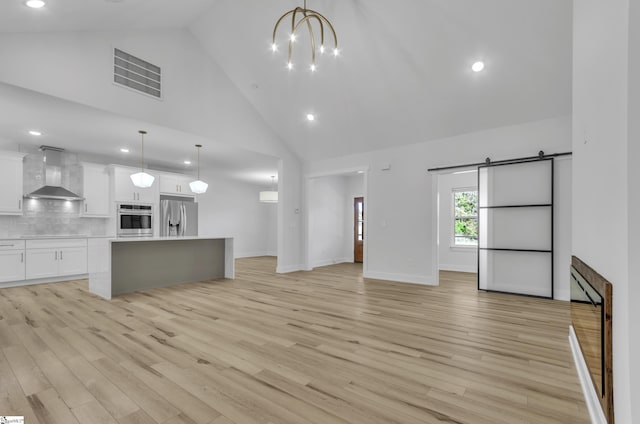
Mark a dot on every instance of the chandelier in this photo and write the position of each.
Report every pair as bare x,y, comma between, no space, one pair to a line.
301,16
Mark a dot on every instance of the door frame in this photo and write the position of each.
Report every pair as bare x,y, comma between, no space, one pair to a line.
435,219
364,169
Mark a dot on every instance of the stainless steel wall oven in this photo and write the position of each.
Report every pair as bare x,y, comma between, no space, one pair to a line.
135,220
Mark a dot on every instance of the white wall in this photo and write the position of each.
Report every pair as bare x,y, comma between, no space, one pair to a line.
231,208
272,230
600,173
327,203
633,159
451,258
401,200
198,98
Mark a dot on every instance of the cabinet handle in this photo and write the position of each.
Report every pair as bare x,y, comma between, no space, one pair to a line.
21,257
177,187
20,204
85,207
61,255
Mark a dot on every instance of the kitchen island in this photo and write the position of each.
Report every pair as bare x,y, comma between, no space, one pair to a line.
124,265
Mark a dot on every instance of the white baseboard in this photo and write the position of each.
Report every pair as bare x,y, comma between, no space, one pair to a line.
458,268
43,280
252,254
427,280
590,396
290,268
325,262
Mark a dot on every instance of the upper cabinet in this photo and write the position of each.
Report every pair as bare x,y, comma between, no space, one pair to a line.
11,183
95,190
125,191
175,184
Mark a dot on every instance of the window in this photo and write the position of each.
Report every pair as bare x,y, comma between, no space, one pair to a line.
465,217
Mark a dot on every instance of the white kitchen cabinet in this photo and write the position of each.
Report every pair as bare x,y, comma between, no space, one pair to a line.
11,183
42,263
73,261
125,191
175,184
95,181
12,260
47,258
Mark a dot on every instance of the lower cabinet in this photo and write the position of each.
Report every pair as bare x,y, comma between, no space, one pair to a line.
53,258
73,261
42,263
12,260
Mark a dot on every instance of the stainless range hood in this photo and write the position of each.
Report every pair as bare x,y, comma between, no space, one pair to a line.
52,173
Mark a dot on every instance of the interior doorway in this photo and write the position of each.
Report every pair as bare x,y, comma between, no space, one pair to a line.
335,229
358,229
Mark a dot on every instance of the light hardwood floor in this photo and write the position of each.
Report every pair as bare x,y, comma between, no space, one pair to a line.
310,347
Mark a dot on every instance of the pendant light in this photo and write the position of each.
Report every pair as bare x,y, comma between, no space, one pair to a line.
270,196
142,179
198,186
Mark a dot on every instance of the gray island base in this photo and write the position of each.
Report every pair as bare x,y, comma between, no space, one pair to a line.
125,265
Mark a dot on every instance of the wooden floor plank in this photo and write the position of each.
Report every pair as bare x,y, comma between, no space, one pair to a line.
326,346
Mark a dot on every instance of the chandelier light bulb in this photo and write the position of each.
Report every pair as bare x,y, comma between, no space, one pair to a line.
293,37
274,47
35,4
290,65
477,66
313,67
322,48
335,52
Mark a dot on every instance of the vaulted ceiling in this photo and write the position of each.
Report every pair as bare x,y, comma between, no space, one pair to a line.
403,74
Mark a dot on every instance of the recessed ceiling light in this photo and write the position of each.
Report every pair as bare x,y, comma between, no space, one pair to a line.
477,66
34,132
187,162
311,117
124,150
35,4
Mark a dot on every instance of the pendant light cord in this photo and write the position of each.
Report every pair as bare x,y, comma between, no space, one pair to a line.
142,133
198,146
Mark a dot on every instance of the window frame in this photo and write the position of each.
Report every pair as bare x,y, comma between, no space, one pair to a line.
455,190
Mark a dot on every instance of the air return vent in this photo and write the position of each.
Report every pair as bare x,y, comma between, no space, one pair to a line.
136,73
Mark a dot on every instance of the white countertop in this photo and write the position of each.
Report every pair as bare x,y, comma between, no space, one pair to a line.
52,236
130,239
111,238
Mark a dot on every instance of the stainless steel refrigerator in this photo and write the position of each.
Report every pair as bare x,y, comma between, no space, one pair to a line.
178,217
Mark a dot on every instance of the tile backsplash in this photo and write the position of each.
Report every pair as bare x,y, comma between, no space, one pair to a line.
48,216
